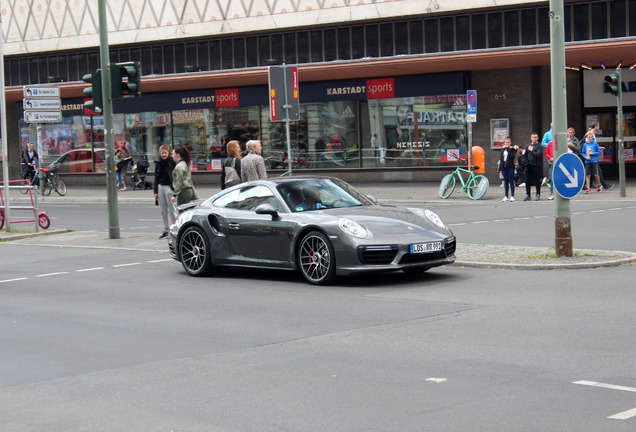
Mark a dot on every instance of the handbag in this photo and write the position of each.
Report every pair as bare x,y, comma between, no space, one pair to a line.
231,176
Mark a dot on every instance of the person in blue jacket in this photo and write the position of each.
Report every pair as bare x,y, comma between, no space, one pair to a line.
591,151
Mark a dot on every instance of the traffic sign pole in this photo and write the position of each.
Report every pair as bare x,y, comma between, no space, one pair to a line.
562,222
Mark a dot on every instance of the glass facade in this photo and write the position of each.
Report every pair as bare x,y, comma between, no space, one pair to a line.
409,132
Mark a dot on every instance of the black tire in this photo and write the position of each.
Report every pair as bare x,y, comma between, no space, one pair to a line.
60,186
316,259
194,250
1,218
25,176
47,188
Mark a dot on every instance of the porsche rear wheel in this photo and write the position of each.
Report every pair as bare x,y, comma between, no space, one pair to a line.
316,259
194,250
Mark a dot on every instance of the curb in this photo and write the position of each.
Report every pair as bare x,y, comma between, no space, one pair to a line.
570,266
5,237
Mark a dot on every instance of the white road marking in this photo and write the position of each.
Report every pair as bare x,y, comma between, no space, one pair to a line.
597,211
622,415
89,269
603,385
160,260
51,274
13,280
126,265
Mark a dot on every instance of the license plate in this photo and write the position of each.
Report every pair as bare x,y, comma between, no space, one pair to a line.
418,248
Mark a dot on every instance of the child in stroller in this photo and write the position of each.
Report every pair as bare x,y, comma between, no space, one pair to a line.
139,175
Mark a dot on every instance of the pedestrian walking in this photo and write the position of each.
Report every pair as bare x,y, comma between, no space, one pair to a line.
163,188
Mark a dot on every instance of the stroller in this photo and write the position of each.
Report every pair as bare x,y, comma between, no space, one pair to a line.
139,175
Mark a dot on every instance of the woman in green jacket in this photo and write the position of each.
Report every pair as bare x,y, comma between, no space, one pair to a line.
181,177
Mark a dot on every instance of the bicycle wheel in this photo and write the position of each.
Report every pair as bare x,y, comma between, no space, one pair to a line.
60,186
478,187
25,176
1,218
47,187
447,186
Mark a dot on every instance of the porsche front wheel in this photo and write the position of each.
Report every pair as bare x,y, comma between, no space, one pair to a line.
316,259
194,250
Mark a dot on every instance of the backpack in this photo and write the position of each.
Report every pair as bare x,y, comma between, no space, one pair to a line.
523,159
231,176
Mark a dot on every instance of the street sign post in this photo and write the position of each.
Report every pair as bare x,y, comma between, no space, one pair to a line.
43,116
471,114
568,175
41,92
42,104
284,100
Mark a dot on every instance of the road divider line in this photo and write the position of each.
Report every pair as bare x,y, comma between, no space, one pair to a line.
160,260
127,264
13,280
51,274
89,269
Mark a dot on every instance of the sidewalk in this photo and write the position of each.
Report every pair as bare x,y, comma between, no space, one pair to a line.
386,192
400,193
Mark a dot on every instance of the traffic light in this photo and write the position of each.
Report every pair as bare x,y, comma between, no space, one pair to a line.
613,83
125,79
94,92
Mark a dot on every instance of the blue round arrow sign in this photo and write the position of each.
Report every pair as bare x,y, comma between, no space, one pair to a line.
568,175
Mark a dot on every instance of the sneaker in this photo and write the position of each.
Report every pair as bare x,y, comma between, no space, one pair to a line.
522,184
163,235
551,197
527,198
537,198
512,199
505,199
600,188
608,186
544,181
587,191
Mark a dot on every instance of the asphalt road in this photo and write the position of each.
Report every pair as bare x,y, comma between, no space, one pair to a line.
112,340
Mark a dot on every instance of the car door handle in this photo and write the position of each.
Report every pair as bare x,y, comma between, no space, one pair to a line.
233,225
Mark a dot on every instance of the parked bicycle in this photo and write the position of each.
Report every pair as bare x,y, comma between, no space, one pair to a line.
50,177
474,185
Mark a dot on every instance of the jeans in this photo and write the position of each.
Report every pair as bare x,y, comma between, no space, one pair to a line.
509,181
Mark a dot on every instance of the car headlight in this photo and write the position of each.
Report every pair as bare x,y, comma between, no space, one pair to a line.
352,227
430,216
435,219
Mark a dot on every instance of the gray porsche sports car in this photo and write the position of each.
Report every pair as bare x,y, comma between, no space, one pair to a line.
321,226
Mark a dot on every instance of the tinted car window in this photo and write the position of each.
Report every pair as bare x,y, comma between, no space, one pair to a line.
252,196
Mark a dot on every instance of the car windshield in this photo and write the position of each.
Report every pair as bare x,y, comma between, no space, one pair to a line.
319,194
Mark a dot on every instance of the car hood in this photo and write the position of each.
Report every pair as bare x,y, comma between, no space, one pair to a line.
389,219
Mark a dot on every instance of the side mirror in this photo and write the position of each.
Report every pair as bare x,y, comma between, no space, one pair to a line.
267,209
373,199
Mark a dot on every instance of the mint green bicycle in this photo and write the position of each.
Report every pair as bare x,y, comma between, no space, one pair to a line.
475,185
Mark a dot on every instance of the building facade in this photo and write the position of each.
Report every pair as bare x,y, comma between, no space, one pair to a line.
382,83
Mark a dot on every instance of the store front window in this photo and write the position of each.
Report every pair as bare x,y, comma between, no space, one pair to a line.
416,131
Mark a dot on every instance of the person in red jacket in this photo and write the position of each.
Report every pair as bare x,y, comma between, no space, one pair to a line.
549,155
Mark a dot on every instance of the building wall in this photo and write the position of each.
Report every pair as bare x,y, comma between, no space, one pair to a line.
71,24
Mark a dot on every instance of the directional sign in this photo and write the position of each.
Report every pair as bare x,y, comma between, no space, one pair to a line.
43,116
42,104
32,91
568,175
283,79
471,97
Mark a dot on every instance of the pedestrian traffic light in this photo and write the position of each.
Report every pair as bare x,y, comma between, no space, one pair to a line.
125,79
94,92
612,83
